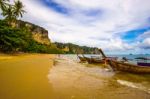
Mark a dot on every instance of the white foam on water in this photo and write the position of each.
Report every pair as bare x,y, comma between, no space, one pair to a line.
134,85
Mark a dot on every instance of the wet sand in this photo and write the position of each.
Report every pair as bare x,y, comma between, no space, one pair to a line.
42,76
72,80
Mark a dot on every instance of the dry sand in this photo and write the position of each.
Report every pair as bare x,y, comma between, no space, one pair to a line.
25,76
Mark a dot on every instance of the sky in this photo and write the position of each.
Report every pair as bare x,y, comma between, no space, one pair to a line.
117,26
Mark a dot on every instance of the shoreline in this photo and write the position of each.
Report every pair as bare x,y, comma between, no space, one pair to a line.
71,79
51,76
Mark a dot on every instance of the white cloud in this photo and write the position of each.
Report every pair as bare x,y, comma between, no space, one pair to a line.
144,41
144,35
145,44
102,30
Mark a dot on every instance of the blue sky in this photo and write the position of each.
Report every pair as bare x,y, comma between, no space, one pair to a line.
119,26
55,6
131,35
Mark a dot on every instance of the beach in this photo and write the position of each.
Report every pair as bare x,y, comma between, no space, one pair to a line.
74,80
25,76
46,76
74,49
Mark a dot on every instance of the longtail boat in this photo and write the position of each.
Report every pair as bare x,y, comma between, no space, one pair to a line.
126,67
143,64
143,61
94,60
98,60
82,59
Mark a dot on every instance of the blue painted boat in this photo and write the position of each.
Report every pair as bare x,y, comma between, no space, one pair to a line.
143,64
143,61
126,67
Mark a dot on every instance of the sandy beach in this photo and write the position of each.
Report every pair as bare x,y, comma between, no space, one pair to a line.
25,76
73,80
46,76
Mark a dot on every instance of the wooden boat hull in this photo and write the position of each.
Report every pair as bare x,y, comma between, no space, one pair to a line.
120,66
82,59
143,64
126,67
94,61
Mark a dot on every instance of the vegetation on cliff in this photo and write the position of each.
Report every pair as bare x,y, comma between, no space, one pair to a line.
21,40
73,48
19,36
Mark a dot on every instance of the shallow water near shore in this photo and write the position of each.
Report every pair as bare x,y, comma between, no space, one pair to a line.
71,79
48,77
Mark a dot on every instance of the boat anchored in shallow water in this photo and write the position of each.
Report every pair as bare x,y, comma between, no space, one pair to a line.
95,60
143,61
81,58
126,67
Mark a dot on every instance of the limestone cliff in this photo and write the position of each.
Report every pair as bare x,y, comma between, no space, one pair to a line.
73,48
38,33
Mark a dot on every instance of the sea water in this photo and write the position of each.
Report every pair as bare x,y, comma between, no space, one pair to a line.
131,58
73,80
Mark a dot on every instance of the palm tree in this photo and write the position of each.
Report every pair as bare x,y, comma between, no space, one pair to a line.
8,14
12,12
3,4
18,9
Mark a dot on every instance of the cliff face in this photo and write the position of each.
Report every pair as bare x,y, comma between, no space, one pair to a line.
73,48
38,33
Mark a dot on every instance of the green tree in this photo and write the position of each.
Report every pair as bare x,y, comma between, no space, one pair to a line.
13,12
18,9
13,39
8,14
3,4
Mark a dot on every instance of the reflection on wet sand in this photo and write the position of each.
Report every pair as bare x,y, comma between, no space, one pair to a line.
72,80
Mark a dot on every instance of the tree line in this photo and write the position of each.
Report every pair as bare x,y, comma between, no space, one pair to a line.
70,48
18,39
11,12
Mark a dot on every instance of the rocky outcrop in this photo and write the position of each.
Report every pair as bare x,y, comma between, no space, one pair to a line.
73,48
38,33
